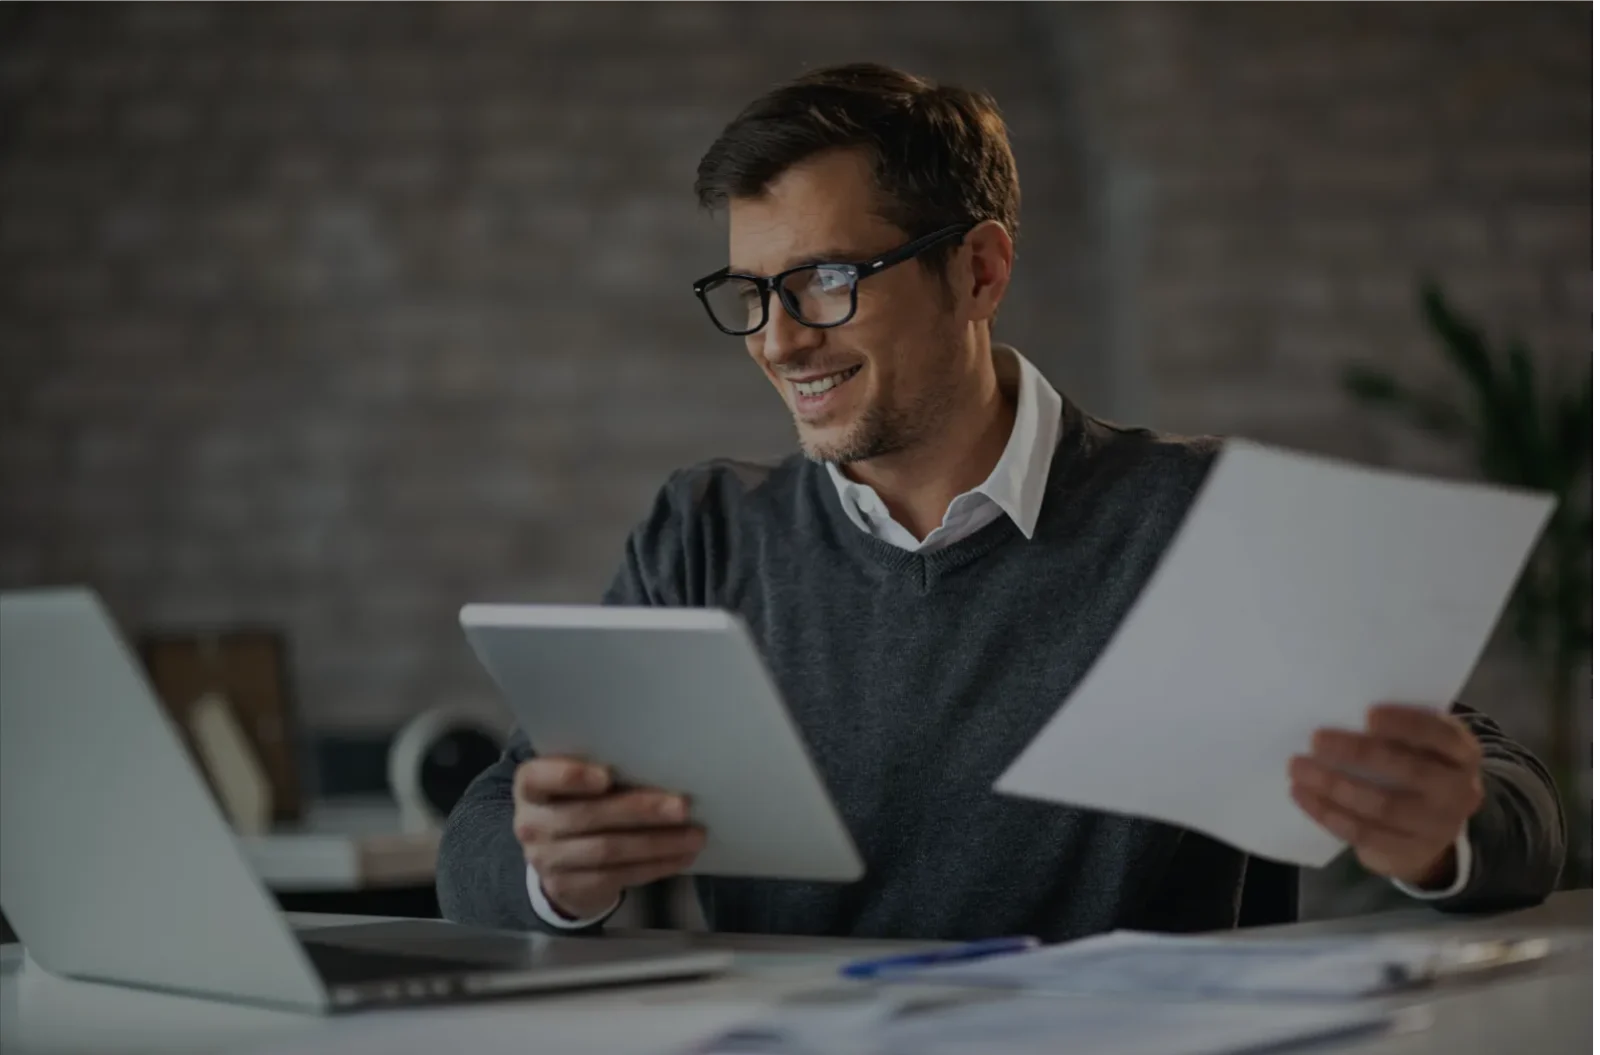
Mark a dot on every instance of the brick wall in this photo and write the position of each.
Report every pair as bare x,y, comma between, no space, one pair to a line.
1305,163
337,316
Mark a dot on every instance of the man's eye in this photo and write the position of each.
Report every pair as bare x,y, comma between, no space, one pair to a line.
832,281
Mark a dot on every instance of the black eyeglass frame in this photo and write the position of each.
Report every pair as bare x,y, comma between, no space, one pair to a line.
855,271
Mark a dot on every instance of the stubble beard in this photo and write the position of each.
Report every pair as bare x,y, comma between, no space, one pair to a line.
884,430
875,434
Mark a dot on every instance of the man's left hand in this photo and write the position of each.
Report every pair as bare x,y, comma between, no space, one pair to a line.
1398,793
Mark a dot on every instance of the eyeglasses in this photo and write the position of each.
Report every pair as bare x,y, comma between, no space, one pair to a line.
816,295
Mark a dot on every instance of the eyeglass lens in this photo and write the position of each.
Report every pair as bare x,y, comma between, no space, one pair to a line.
816,296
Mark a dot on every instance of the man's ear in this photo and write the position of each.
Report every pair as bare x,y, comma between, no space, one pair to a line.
987,269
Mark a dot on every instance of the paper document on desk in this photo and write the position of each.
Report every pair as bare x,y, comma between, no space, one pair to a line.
1298,592
1127,963
1100,1026
1029,1025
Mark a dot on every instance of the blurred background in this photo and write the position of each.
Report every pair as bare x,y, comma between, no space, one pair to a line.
319,320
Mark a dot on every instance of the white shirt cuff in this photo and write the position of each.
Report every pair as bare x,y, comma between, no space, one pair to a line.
1463,873
548,913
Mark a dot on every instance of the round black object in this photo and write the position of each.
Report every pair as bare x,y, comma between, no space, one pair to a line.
451,763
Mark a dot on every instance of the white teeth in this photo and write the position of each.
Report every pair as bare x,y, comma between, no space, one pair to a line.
816,388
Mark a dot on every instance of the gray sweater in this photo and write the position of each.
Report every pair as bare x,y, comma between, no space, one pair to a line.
917,678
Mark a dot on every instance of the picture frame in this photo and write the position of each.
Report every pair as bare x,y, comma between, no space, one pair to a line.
249,668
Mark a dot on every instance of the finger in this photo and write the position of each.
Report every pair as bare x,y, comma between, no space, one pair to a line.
1381,848
623,812
1425,729
590,852
1395,809
606,883
1450,791
550,779
1384,760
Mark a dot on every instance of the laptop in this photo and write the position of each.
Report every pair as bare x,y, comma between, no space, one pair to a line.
116,865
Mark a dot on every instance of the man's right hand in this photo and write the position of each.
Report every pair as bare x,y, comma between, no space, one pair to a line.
588,841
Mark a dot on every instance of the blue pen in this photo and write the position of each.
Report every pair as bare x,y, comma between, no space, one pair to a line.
974,950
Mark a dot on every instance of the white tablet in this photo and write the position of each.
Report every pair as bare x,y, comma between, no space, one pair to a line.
674,698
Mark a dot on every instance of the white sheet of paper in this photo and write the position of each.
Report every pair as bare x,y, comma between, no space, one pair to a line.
1056,1024
1062,1025
1298,592
1129,963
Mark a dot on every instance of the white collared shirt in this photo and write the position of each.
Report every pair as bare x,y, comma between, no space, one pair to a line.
1015,488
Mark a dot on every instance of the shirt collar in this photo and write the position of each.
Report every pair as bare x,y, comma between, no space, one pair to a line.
1017,482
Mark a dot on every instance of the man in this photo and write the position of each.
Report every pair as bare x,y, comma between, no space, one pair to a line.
932,576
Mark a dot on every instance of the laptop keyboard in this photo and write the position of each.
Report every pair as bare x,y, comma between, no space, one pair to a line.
342,965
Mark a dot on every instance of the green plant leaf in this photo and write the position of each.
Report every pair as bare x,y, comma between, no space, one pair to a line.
1379,388
1438,417
1522,406
1501,450
1519,375
1372,385
1572,431
1462,342
1525,609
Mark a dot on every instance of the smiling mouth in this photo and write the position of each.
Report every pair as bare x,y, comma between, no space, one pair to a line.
821,385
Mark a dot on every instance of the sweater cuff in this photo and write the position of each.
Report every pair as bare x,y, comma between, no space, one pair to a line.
548,913
1463,873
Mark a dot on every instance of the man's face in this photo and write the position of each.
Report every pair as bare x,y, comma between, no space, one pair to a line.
879,383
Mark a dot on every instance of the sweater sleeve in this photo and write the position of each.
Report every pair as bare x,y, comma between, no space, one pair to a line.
1519,834
482,878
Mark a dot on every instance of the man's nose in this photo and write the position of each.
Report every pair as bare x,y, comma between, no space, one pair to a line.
783,340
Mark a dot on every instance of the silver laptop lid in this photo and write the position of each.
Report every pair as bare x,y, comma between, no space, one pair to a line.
115,862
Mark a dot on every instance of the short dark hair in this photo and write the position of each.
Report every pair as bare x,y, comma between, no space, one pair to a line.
940,154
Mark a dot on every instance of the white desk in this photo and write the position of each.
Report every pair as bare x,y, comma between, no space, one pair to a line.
1547,1009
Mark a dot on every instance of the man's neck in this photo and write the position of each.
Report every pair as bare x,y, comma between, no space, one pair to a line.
917,485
